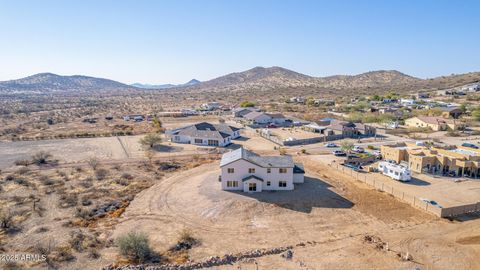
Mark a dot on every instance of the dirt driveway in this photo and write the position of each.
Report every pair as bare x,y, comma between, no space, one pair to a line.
321,211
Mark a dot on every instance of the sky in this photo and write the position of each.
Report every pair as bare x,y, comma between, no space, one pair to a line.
175,41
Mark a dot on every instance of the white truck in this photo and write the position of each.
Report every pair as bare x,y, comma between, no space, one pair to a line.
395,171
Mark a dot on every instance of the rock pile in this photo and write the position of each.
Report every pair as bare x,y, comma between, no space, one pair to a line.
209,262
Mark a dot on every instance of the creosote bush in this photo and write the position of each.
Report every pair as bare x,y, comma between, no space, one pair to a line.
134,246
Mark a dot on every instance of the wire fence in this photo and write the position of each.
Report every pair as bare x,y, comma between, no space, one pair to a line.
380,185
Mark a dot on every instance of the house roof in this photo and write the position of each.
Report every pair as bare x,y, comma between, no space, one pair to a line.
262,161
450,109
433,119
254,115
275,115
251,177
207,130
298,168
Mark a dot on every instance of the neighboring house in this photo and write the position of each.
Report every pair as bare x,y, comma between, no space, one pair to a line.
246,171
423,95
258,117
325,102
277,118
210,106
471,88
458,161
435,123
407,102
205,134
352,130
451,112
297,99
241,112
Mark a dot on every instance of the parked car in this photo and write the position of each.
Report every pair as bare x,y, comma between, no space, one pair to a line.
353,167
358,149
470,145
271,125
330,145
339,153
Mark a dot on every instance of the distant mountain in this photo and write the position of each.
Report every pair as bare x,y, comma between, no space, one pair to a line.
165,86
268,83
278,77
274,82
49,82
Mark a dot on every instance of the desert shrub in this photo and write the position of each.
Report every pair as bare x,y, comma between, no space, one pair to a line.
93,254
41,158
127,176
6,219
93,162
186,235
22,162
100,174
45,180
134,246
23,170
121,181
22,182
76,240
68,200
81,212
10,177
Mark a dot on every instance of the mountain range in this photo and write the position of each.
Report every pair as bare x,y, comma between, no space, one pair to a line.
165,86
256,79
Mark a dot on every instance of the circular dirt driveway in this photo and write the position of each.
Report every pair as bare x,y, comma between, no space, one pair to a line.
193,199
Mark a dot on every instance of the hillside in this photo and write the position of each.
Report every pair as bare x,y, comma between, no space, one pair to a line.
263,82
49,82
280,81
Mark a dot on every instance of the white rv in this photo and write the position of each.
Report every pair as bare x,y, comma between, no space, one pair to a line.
395,171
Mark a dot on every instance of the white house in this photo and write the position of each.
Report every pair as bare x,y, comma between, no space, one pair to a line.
258,117
277,118
205,134
210,106
407,101
249,172
395,171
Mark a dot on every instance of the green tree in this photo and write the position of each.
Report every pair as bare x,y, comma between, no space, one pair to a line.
476,114
247,103
346,146
151,139
158,125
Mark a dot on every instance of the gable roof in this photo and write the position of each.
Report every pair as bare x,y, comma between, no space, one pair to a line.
251,177
262,161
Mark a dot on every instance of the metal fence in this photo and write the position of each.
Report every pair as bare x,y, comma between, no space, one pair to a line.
406,197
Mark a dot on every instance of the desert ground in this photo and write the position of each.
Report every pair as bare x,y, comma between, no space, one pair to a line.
330,221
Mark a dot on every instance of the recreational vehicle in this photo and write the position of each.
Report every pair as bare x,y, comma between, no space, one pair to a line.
395,171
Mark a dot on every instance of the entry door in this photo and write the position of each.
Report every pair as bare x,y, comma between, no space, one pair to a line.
252,186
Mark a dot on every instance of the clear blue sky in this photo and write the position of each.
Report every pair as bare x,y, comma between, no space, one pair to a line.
175,41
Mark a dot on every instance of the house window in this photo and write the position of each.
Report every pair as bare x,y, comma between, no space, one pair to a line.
198,141
269,170
268,183
282,183
231,170
283,170
232,183
251,170
177,138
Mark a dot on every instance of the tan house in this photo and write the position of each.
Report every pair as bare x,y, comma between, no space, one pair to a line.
458,161
434,123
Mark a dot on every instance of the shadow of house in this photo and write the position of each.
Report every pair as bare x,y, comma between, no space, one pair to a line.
313,193
167,148
417,182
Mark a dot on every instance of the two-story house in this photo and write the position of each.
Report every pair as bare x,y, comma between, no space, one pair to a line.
244,170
